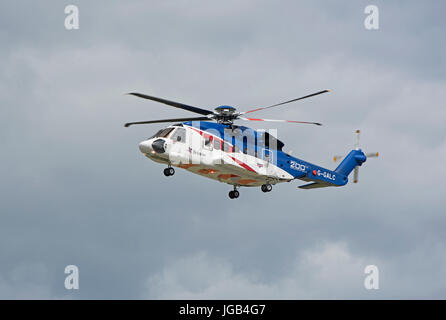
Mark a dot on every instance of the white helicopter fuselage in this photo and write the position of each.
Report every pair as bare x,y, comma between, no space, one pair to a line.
210,156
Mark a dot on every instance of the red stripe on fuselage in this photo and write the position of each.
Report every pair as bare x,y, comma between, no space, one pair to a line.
242,164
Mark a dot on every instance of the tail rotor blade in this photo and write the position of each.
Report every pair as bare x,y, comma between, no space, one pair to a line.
372,154
337,158
358,132
356,174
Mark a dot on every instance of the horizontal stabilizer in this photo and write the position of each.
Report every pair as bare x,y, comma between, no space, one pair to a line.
315,185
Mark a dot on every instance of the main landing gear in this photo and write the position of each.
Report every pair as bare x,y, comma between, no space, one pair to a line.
234,194
266,187
169,171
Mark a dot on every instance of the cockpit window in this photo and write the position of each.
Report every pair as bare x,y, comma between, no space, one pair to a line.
179,135
156,134
163,133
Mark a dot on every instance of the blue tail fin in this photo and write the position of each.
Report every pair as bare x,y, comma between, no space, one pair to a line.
353,159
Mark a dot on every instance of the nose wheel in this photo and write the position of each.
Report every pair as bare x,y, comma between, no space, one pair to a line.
266,187
169,171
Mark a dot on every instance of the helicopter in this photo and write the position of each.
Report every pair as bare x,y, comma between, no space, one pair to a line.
213,146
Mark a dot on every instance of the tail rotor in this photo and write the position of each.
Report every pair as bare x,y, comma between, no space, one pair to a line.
357,147
356,175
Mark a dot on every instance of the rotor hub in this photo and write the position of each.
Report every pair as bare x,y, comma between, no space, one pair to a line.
225,110
225,114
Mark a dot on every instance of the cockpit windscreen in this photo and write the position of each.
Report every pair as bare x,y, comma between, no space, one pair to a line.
163,133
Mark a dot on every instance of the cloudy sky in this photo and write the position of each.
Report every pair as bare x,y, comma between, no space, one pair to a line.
76,190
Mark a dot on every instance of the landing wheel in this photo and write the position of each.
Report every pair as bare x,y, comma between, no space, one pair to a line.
169,171
234,194
266,187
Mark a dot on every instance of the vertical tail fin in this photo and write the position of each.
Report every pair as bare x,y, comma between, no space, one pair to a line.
353,159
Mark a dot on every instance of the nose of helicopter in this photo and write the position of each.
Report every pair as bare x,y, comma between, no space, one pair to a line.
153,146
145,146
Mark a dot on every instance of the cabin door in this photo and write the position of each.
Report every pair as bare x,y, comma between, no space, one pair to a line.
267,156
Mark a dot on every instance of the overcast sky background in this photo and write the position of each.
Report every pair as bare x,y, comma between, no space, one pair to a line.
76,190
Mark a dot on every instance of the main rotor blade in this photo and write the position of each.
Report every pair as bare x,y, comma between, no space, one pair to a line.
168,120
279,104
172,103
274,120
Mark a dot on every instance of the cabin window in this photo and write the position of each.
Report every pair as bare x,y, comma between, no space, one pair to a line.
249,150
217,144
179,135
208,141
245,145
227,147
267,155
